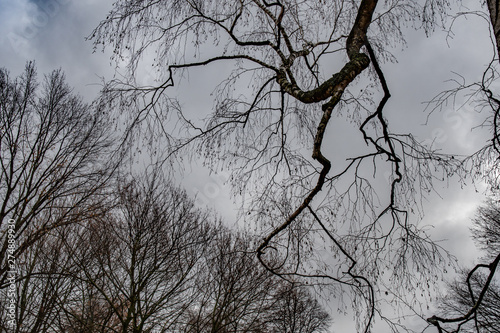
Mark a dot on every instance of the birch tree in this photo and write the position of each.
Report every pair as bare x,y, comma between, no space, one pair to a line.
289,71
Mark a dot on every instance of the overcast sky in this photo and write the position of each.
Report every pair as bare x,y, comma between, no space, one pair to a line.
52,32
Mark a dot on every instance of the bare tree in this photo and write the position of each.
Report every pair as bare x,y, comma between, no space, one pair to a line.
462,297
138,262
236,294
297,311
83,307
472,302
55,159
299,65
40,287
85,310
151,262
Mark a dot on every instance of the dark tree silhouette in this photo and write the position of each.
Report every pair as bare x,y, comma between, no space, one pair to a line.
138,262
40,285
296,311
236,294
461,302
56,157
300,65
472,302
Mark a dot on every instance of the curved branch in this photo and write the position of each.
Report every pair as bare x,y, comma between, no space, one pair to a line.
435,320
334,88
351,267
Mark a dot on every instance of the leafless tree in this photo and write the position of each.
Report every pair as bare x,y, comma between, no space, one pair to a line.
297,311
462,296
236,294
300,65
138,262
472,302
152,262
45,273
56,157
40,288
84,308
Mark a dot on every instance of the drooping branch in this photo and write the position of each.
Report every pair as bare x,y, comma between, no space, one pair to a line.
275,41
333,89
349,272
391,152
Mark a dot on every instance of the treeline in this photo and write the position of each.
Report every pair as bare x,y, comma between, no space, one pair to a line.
97,249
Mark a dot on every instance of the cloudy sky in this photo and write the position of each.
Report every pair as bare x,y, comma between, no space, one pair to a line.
52,32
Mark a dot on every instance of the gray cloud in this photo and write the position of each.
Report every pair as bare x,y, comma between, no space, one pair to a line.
53,32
